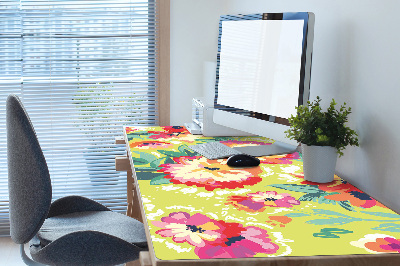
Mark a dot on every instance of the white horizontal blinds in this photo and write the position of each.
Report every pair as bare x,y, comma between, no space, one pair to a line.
10,82
88,68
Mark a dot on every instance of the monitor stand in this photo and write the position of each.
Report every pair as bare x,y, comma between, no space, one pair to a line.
276,148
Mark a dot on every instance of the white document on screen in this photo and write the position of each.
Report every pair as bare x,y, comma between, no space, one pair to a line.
260,63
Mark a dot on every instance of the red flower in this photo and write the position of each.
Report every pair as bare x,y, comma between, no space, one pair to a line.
210,174
241,242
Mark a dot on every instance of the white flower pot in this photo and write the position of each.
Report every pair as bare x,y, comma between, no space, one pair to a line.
319,163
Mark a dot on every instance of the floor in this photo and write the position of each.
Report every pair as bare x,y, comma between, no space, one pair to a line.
9,253
10,256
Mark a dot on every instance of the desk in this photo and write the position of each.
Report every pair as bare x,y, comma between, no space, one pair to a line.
201,211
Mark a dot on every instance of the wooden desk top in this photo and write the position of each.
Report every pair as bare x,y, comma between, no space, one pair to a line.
196,208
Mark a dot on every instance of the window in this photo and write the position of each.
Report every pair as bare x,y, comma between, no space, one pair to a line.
83,69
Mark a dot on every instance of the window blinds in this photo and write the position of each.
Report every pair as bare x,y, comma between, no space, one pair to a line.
83,69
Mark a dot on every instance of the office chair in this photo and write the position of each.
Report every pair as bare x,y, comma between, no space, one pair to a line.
70,231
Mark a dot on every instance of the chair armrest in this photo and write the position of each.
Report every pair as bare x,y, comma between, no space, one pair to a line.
72,204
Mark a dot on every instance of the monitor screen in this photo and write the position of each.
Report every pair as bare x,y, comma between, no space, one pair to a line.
260,63
263,71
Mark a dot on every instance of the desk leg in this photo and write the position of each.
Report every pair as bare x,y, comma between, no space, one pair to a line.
132,197
144,260
129,193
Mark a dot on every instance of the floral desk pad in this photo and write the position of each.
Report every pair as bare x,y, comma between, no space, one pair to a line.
198,208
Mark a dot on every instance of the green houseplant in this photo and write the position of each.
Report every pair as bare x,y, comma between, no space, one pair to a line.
323,135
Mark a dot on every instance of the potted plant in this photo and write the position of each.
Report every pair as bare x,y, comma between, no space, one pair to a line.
323,135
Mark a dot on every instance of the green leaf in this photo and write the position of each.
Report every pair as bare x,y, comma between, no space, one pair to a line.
328,212
168,160
331,232
160,180
156,163
298,188
311,196
171,153
147,156
139,161
296,214
187,151
148,175
332,221
391,227
346,205
323,200
383,214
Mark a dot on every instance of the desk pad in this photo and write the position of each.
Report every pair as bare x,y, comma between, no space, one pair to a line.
198,208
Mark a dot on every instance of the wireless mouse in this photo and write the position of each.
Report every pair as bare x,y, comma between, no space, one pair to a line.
242,160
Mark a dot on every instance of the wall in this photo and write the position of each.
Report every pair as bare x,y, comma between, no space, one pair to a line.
194,41
355,60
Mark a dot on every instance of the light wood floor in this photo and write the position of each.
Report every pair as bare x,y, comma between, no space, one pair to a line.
9,253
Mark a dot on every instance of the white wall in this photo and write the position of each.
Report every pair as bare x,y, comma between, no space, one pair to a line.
194,41
356,60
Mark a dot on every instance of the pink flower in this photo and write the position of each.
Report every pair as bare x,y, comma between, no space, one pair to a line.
273,199
378,243
248,242
257,202
196,229
215,239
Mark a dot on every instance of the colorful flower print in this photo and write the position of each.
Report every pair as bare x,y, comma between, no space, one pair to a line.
356,198
130,129
257,202
279,220
241,242
240,143
168,132
146,145
210,174
196,229
175,132
215,239
340,190
378,243
280,159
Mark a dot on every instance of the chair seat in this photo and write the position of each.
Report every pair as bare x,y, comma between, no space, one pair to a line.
107,222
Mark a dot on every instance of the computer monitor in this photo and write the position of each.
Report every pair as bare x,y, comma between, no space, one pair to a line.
263,73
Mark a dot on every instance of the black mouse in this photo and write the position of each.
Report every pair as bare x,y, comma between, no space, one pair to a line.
242,160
